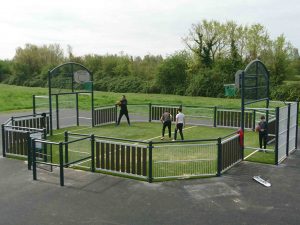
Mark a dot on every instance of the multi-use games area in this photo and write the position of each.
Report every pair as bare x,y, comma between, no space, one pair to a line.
63,133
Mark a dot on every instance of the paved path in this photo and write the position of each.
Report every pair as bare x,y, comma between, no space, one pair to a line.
95,198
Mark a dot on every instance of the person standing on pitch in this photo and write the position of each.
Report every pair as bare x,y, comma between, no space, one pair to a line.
123,111
262,132
166,120
180,121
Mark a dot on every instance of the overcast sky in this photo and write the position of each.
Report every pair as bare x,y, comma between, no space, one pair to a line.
135,27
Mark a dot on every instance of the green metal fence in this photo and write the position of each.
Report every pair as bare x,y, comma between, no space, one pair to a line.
63,152
184,159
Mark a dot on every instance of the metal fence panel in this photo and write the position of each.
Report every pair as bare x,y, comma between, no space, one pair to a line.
199,115
231,152
138,113
118,157
158,110
293,126
184,160
282,133
105,115
232,118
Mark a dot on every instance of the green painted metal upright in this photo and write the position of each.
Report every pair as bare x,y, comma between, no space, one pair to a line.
77,110
297,119
288,130
253,120
45,147
66,134
3,140
72,72
50,102
150,176
57,111
61,164
33,104
277,135
33,159
29,151
268,102
92,100
150,111
93,153
215,116
242,109
219,161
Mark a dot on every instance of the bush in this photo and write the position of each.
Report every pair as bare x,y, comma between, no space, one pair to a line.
172,74
207,83
288,92
121,84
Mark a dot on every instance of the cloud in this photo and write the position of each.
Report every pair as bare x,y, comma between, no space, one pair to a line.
136,27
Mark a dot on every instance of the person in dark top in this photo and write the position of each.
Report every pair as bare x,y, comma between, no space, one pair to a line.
123,110
262,132
166,120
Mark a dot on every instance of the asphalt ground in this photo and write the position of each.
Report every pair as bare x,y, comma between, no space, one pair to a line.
93,198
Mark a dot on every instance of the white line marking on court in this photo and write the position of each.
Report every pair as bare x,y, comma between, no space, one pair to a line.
70,150
171,133
265,149
251,154
79,163
72,131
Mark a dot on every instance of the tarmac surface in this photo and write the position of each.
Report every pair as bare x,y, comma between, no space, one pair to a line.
93,198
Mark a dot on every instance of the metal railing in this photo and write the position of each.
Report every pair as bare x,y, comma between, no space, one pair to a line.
66,156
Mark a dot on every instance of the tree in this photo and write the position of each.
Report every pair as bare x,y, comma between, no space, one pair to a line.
278,59
5,69
30,64
172,74
205,40
257,41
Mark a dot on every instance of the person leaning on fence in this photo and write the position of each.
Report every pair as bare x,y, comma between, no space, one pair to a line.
262,132
180,121
123,109
166,120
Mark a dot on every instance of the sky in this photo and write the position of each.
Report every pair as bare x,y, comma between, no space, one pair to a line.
133,27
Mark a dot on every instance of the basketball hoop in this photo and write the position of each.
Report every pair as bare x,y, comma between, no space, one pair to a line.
81,76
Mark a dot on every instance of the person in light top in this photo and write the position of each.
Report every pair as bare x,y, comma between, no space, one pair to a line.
180,121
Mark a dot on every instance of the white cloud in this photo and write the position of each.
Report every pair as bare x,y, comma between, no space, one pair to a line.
136,27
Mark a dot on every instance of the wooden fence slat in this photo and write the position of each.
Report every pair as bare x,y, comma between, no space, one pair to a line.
144,161
133,160
102,153
97,155
139,161
13,134
122,158
22,143
118,157
9,142
26,150
107,155
127,159
18,142
112,158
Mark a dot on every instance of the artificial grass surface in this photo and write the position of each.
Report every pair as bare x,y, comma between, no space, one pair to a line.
143,131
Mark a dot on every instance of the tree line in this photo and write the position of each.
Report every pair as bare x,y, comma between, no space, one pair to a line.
214,52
